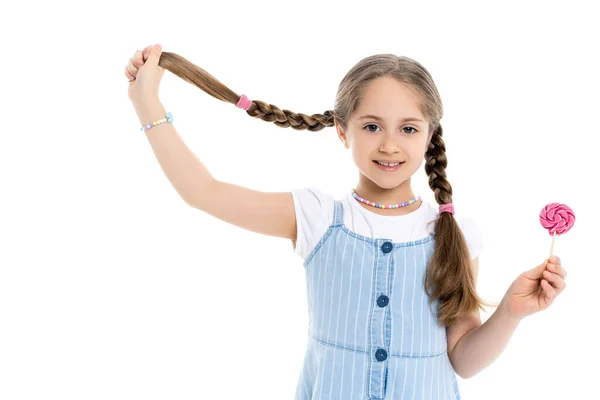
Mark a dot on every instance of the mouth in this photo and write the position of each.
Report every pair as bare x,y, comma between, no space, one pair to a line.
388,168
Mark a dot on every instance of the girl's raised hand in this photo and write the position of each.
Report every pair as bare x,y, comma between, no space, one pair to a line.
536,289
144,74
135,62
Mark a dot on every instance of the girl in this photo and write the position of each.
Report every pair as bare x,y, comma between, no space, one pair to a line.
393,309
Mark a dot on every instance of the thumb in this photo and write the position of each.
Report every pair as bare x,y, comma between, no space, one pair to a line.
155,52
536,273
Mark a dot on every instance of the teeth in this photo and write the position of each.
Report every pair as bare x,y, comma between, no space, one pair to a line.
387,165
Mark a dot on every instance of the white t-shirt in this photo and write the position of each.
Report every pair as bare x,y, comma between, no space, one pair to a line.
314,214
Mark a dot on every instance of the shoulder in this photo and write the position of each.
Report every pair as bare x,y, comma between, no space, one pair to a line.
313,201
313,194
314,209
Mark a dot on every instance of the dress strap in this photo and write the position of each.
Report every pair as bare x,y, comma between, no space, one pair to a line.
338,213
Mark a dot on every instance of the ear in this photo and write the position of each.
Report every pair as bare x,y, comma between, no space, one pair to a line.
341,134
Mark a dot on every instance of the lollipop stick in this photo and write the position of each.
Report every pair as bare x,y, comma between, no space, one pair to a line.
552,248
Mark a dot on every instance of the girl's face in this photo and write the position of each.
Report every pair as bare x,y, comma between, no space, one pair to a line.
388,138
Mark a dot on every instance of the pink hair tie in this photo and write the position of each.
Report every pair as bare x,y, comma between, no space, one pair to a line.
447,208
244,102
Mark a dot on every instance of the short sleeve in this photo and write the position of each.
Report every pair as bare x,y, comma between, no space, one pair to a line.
314,210
473,235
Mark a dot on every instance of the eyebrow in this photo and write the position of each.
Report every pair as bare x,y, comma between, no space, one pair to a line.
381,119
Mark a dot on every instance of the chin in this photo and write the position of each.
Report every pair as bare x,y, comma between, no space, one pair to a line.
386,183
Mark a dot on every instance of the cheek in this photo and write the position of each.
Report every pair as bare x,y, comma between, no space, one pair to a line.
359,153
417,149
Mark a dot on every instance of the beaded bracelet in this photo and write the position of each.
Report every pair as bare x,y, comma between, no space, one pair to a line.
167,118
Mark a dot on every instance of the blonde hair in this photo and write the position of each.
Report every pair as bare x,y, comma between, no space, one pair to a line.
449,277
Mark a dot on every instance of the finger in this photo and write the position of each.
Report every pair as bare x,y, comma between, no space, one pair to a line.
137,59
128,75
132,70
558,269
137,64
548,289
131,67
146,52
556,281
154,57
535,273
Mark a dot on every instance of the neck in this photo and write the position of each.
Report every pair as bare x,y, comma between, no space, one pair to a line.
399,194
368,190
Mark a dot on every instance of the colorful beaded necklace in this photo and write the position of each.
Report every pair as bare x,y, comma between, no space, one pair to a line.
377,205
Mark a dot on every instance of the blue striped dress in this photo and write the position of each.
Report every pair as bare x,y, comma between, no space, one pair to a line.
372,332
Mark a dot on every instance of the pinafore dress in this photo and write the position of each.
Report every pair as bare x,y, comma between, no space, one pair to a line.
372,333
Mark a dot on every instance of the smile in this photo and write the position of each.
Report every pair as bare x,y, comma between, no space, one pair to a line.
392,167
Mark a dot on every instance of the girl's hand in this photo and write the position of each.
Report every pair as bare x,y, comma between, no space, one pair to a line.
144,74
536,289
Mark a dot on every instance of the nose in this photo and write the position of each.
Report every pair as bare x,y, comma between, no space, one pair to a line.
389,145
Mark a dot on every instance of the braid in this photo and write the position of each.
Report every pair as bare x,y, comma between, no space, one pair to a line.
286,118
435,167
198,77
448,277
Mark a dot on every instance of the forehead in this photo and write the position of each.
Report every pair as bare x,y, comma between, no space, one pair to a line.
389,99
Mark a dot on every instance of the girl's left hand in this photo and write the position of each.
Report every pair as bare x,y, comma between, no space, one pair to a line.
536,289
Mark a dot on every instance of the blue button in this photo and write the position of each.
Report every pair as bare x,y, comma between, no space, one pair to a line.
387,247
383,300
381,355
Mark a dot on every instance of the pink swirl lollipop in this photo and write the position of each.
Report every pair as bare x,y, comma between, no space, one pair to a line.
558,219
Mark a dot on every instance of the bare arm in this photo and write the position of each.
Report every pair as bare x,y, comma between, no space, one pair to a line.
185,171
268,213
479,347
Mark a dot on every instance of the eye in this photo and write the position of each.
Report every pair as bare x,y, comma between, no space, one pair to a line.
370,125
409,127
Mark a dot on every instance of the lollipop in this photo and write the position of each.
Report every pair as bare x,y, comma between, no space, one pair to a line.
558,219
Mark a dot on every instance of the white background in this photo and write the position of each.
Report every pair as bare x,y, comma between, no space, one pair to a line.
111,287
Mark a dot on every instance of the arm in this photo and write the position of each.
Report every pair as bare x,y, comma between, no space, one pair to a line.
268,213
471,349
473,346
480,346
185,171
534,290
